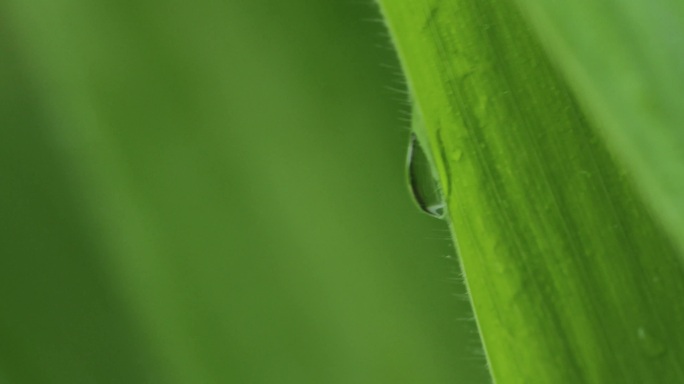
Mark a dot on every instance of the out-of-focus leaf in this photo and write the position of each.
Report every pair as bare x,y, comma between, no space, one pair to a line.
213,192
625,62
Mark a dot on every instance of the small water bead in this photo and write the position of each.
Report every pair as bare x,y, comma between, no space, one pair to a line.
422,182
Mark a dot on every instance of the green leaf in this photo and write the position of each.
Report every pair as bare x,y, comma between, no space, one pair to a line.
625,61
571,279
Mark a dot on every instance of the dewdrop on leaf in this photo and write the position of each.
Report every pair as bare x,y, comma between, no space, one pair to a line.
422,184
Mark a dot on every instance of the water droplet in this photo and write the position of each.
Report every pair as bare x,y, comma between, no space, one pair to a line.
422,181
649,344
457,154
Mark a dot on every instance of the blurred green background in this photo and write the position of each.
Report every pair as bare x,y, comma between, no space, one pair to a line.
214,192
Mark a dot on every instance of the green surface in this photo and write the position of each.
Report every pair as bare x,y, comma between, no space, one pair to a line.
624,59
214,192
572,280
